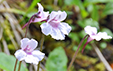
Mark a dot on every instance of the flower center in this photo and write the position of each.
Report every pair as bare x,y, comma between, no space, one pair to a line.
27,49
93,33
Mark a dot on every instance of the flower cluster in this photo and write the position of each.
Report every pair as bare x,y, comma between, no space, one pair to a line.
53,25
28,53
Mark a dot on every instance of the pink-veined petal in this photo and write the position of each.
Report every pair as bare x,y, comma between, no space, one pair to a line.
31,59
65,28
45,15
38,54
90,30
61,16
46,28
24,42
42,16
104,35
32,44
20,55
57,34
52,15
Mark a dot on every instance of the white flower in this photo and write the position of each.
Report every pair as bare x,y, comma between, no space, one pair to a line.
41,14
92,32
28,53
38,17
55,27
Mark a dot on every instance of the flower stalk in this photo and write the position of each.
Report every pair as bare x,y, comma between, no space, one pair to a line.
15,64
76,53
19,65
41,46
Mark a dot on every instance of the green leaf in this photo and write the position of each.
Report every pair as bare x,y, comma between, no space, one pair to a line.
33,4
94,14
82,34
90,8
30,14
82,8
74,36
7,62
79,4
87,2
68,2
86,22
103,45
57,60
75,48
88,47
84,13
108,9
12,10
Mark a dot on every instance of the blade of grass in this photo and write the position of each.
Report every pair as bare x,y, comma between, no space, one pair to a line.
108,67
33,4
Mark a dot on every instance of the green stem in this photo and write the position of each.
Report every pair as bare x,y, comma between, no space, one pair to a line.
26,31
75,54
41,45
38,66
19,65
42,42
1,69
15,64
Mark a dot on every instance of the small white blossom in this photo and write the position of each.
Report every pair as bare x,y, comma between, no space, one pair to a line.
41,14
38,17
92,32
55,27
28,53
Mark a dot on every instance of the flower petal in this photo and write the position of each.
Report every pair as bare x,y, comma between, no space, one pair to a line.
24,42
104,35
57,34
32,44
38,54
40,7
31,59
96,37
46,28
90,30
65,28
61,15
52,15
20,55
44,15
